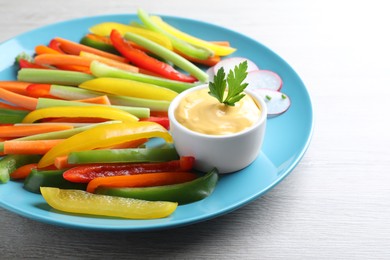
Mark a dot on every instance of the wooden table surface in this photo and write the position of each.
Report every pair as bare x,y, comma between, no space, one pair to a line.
336,202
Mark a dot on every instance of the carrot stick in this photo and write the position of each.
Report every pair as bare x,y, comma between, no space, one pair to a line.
75,48
83,69
110,62
23,171
42,49
18,99
208,62
7,106
61,162
141,180
15,86
62,59
30,147
221,43
101,100
25,130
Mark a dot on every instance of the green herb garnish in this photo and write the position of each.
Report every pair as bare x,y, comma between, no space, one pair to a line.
268,97
233,83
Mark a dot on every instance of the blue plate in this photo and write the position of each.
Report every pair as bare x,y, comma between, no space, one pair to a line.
287,136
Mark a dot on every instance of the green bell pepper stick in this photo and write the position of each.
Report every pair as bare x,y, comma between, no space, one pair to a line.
124,155
140,112
182,46
10,163
95,43
62,77
176,59
11,116
182,193
99,69
49,178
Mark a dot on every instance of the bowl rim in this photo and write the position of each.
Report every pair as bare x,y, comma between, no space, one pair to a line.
175,102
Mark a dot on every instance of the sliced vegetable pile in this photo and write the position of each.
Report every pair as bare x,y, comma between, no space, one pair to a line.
75,125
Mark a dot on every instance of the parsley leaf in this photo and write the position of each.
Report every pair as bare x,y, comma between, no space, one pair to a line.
233,82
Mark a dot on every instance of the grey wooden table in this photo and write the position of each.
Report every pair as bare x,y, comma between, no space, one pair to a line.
336,202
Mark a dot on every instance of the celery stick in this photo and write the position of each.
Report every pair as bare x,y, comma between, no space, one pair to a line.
139,112
152,104
49,76
57,134
72,93
123,155
182,46
168,55
99,69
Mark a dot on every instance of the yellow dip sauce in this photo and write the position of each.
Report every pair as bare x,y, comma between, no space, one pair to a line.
202,113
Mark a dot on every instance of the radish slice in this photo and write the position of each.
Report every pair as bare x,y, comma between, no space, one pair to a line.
263,79
210,72
230,63
277,102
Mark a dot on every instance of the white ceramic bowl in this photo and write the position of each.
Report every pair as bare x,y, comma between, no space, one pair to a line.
228,153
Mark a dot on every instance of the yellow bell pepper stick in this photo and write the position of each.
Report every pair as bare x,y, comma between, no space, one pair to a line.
82,202
131,88
217,49
77,111
105,136
104,29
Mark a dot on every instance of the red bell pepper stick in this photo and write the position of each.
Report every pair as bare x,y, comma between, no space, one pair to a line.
55,45
26,64
86,173
39,91
162,120
144,61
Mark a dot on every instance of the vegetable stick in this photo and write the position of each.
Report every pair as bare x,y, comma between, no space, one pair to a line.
141,180
62,59
61,162
18,99
39,91
110,62
63,77
217,49
30,147
99,69
32,129
100,100
169,55
42,49
221,43
47,102
211,61
23,171
75,48
15,86
7,106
